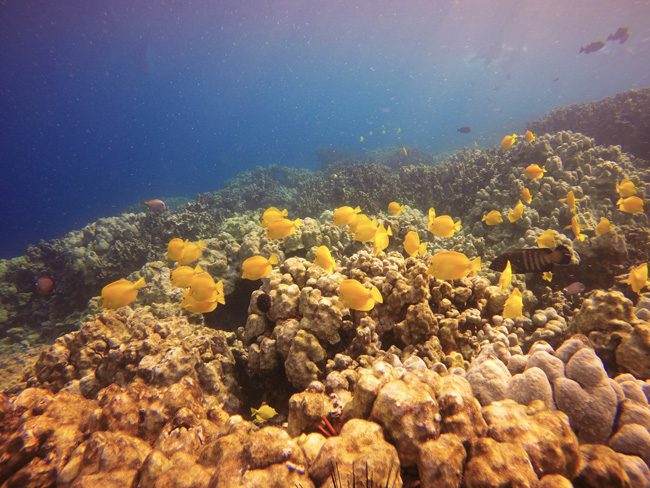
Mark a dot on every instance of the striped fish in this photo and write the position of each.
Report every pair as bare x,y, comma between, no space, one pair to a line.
532,260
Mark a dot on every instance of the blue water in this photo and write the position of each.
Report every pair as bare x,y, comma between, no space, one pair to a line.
104,104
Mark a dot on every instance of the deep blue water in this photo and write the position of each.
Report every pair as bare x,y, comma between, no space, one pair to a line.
104,104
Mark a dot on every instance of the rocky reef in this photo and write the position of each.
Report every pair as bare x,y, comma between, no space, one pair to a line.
431,387
622,119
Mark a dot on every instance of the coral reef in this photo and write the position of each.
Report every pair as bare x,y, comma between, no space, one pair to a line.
622,119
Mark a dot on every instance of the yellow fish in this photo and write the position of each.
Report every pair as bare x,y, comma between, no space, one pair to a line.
508,141
575,227
357,220
626,188
357,297
452,265
442,226
604,226
344,215
547,275
258,267
530,137
324,259
264,413
283,228
534,171
514,305
182,275
493,217
191,304
412,244
526,196
638,277
570,200
505,280
365,231
382,239
203,288
516,213
191,252
121,293
547,239
405,151
175,248
272,214
631,205
395,208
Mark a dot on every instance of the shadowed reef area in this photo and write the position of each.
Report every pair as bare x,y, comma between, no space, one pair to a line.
433,386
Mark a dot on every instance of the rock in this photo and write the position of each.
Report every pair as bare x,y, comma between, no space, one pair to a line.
441,461
633,355
601,467
489,378
493,463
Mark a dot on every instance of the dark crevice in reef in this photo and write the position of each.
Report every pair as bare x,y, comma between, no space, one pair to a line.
234,313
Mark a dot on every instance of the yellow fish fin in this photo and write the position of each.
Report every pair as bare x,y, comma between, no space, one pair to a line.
139,284
198,269
285,212
432,214
457,225
476,264
376,295
297,223
274,259
389,231
423,248
201,244
357,209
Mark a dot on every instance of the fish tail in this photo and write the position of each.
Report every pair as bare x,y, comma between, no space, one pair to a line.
376,295
357,209
201,244
389,231
198,269
285,212
297,222
476,264
274,259
139,284
422,249
457,225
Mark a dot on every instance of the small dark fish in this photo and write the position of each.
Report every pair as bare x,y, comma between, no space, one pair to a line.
532,260
621,35
592,47
44,285
156,205
464,130
575,288
264,302
556,78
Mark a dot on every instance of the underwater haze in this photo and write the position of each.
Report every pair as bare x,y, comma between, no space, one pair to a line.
105,104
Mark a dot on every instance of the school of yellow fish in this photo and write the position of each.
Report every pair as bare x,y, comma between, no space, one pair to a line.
202,294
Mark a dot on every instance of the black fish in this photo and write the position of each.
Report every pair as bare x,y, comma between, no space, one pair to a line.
592,47
621,35
464,130
532,260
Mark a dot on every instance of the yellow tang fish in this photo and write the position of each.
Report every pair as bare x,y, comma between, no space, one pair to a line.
191,252
638,277
324,259
534,171
395,208
547,275
264,413
516,213
526,196
357,297
631,205
505,280
358,220
272,214
175,248
344,215
182,275
514,305
547,239
570,200
258,267
575,227
193,305
442,226
121,293
365,231
604,226
452,265
283,228
203,288
530,137
412,244
382,239
626,188
493,217
508,141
